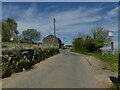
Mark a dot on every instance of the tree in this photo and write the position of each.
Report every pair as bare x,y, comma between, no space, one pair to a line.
78,44
93,42
31,34
9,29
100,38
0,30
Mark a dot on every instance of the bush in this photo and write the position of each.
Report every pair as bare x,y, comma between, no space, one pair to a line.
6,72
93,42
4,46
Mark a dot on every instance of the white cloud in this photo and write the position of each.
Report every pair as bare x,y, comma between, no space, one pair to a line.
30,11
111,14
67,21
9,11
43,21
111,20
0,11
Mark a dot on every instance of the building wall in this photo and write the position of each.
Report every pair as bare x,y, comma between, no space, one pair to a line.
51,41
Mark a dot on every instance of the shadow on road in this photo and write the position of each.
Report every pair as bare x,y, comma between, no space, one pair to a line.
33,67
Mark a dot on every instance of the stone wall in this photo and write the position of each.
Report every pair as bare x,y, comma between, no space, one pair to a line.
16,60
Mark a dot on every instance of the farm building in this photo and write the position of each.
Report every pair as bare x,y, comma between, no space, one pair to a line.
52,41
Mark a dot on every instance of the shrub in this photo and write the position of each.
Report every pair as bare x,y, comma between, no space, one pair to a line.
6,70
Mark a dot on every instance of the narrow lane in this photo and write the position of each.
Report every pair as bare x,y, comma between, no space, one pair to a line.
66,70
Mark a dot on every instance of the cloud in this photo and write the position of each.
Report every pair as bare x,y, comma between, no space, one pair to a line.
112,13
0,10
111,19
11,11
74,14
43,21
68,21
31,11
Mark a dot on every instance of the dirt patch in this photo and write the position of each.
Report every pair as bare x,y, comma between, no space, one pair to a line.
95,62
99,65
102,75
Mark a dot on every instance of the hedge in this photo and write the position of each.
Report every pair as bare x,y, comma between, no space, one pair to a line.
16,60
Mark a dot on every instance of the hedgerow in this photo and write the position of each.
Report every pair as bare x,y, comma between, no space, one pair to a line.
17,60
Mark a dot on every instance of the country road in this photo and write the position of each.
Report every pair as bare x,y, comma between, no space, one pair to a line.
65,70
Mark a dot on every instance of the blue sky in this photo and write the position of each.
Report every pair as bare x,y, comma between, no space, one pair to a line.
71,17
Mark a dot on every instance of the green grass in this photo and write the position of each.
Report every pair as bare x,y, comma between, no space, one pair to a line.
111,60
9,45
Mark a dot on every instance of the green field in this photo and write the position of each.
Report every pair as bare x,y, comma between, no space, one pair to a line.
111,60
10,45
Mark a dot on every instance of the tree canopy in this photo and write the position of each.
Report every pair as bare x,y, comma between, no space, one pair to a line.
97,39
9,29
31,34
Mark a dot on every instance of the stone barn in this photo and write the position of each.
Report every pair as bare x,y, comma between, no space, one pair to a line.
52,41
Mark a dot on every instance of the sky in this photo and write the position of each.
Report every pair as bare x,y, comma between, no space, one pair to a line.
72,18
60,0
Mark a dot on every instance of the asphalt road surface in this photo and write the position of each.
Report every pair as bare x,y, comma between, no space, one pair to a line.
65,70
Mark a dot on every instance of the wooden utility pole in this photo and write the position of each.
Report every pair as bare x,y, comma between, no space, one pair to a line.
54,34
54,28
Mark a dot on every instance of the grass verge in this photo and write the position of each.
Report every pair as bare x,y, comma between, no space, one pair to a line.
111,60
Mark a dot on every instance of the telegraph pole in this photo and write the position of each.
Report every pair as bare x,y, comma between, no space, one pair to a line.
54,33
54,28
